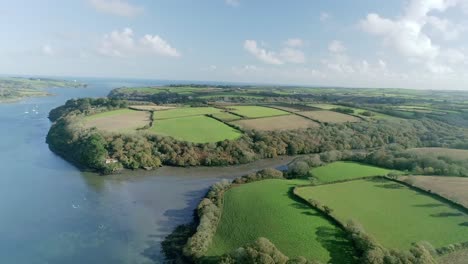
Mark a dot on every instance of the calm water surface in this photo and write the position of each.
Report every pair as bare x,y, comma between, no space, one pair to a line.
50,212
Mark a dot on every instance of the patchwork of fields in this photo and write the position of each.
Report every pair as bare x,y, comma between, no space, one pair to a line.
284,122
197,129
329,116
394,214
122,120
252,111
453,188
342,170
268,209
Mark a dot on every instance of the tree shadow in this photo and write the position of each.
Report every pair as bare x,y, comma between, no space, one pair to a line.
429,205
464,224
298,203
336,243
446,214
390,186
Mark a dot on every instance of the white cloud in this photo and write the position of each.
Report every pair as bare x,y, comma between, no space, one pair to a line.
260,53
294,42
410,35
158,45
116,7
292,55
123,44
232,2
336,47
324,16
48,50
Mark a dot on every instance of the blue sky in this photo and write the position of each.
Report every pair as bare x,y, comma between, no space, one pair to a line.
360,43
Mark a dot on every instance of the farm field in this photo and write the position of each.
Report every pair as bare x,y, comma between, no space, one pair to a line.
185,111
325,116
252,111
286,122
266,209
122,120
391,212
357,111
225,116
456,154
452,188
197,129
457,257
343,170
151,107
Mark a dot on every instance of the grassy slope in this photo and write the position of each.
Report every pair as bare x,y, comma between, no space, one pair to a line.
252,111
186,111
394,214
109,113
265,209
198,129
343,170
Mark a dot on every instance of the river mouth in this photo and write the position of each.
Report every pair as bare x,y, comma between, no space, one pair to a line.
54,213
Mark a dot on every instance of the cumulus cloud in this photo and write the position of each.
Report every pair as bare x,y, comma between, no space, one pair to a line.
294,42
232,2
336,47
292,55
116,7
408,34
123,44
261,54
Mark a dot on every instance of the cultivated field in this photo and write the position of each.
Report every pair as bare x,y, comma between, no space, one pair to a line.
225,116
286,122
456,154
393,213
122,120
151,107
185,111
452,188
252,111
198,129
329,116
342,170
268,209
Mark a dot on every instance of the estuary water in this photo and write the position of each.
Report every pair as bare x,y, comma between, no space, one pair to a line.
50,212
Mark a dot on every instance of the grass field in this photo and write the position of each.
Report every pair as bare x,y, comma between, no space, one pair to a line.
252,111
393,213
456,154
268,209
122,120
329,116
342,170
198,129
185,111
225,116
452,188
285,122
151,107
357,111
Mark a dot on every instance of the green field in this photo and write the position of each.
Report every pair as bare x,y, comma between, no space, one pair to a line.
185,111
225,116
357,111
343,170
268,209
252,111
198,129
109,113
394,214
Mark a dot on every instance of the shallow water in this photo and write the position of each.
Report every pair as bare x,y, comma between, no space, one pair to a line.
50,212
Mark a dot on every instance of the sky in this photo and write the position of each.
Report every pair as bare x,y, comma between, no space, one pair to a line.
421,44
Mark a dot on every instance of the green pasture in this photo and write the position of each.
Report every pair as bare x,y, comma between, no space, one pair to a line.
343,170
252,111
